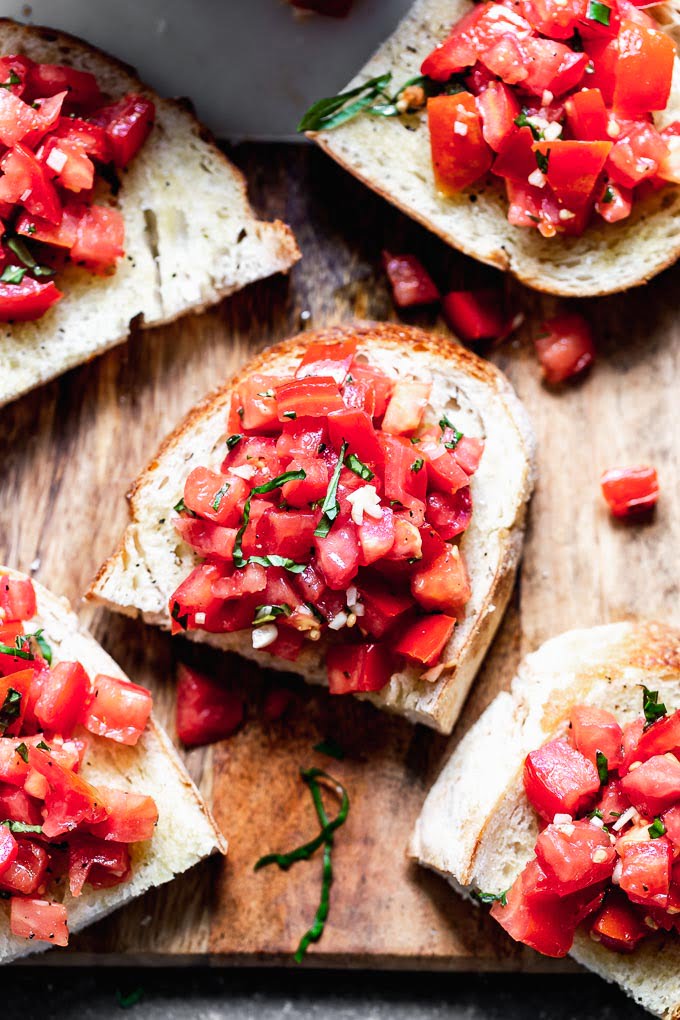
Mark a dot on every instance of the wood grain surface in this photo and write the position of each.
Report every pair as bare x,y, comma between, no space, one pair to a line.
72,448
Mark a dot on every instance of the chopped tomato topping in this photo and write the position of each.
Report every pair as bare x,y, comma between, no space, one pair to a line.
558,779
617,926
424,640
460,155
630,491
207,711
118,709
39,919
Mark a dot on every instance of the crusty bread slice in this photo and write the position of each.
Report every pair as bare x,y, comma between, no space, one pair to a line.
392,156
477,827
191,235
151,767
150,562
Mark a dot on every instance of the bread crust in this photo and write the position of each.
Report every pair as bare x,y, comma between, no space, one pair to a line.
154,759
436,704
478,830
606,259
274,249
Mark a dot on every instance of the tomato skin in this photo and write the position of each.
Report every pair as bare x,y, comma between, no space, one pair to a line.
63,697
38,919
630,491
476,314
595,729
661,737
99,863
411,283
100,237
617,925
565,349
565,853
643,70
17,599
406,407
381,385
516,160
376,537
558,779
456,52
354,426
646,871
383,607
118,710
128,124
8,849
458,160
330,360
587,115
654,786
443,584
357,668
450,514
27,300
424,639
310,398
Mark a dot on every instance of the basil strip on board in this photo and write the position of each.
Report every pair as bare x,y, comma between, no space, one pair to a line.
335,110
260,490
329,507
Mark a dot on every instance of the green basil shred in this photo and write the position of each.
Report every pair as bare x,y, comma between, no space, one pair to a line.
489,897
260,490
267,614
19,827
598,12
355,465
656,829
222,491
651,706
330,507
11,708
602,766
233,440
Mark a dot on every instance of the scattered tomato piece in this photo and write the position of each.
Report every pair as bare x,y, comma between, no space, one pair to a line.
565,348
411,283
630,492
206,710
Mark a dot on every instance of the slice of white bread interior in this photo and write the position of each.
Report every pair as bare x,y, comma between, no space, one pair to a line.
186,831
477,827
392,156
191,237
151,561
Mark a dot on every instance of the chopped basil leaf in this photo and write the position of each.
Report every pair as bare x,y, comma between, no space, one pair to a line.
315,612
331,748
651,706
576,42
183,621
390,108
18,653
489,897
445,424
330,507
222,491
19,827
417,464
129,1000
43,647
598,12
182,508
268,394
656,829
542,160
233,440
22,751
595,814
355,465
13,79
274,560
260,490
240,411
11,707
24,255
12,274
602,766
43,746
329,113
267,614
608,195
290,414
523,121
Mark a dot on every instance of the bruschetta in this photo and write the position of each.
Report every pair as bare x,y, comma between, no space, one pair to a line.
465,102
350,507
116,207
92,793
561,807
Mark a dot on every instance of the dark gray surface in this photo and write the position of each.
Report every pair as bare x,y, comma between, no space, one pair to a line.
70,994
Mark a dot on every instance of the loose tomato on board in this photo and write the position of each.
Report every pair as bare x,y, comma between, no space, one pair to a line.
460,155
630,491
206,710
411,283
565,348
477,314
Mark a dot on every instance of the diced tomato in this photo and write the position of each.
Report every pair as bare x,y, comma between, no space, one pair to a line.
309,489
516,161
574,856
253,578
457,52
460,155
506,58
89,137
565,348
643,70
194,595
573,170
100,237
310,397
654,786
300,436
405,478
338,555
128,124
17,599
541,920
118,710
376,537
330,360
553,19
617,925
49,79
383,607
498,108
444,473
21,122
425,638
671,821
450,514
26,181
39,919
8,849
14,690
595,729
19,66
615,202
468,452
28,300
288,534
646,871
558,779
659,738
70,800
411,283
613,802
637,154
64,697
19,806
72,166
131,817
287,645
103,864
62,236
27,874
604,55
630,491
357,668
206,538
406,407
380,384
260,412
443,584
587,115
355,427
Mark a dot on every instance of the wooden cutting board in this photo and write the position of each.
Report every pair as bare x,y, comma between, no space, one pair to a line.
72,448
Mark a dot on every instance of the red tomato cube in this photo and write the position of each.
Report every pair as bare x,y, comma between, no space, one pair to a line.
558,779
118,710
206,710
630,491
39,919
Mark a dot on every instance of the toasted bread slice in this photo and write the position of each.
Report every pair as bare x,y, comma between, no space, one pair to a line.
150,562
392,156
191,236
151,767
477,827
